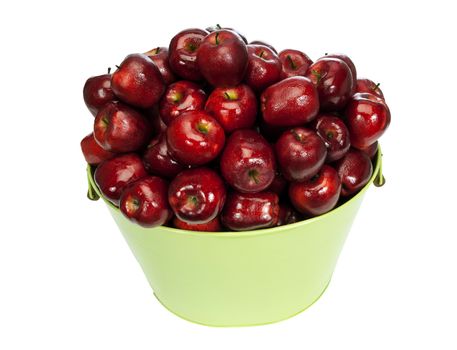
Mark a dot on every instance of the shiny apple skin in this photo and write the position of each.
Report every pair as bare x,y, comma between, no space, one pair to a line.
317,195
159,56
113,175
197,196
94,153
335,135
97,92
294,63
354,170
145,202
250,211
211,226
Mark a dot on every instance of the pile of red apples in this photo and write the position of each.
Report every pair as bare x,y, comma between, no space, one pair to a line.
217,134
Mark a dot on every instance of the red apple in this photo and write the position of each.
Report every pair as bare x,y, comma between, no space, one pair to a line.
197,196
264,67
97,92
335,135
222,58
346,60
368,86
183,53
293,63
263,43
278,185
234,108
317,195
138,81
120,128
93,152
334,82
211,226
250,211
247,162
181,97
291,102
157,159
218,27
367,118
159,56
300,153
354,170
145,202
195,138
113,175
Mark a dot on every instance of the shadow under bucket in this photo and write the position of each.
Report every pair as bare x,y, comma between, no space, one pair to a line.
241,278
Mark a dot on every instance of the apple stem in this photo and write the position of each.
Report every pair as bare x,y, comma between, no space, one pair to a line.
109,70
317,75
261,54
376,87
217,38
326,54
227,96
291,61
218,26
118,67
296,135
254,174
157,50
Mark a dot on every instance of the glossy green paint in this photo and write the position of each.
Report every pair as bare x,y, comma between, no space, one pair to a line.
241,278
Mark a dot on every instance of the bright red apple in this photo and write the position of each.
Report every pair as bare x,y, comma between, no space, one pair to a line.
97,92
114,174
159,56
145,202
234,108
293,63
93,152
197,196
120,128
180,97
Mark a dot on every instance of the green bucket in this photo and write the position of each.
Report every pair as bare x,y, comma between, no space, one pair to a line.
241,278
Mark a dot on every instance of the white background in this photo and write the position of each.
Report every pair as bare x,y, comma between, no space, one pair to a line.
69,281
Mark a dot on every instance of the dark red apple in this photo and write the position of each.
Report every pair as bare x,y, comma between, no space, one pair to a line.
138,81
264,67
317,195
93,152
234,108
278,185
287,214
368,86
218,27
335,135
300,153
158,161
145,202
113,175
271,132
97,92
263,43
250,211
211,226
346,60
222,58
248,162
367,118
181,97
371,150
197,196
159,56
195,138
293,63
120,128
334,82
291,102
354,170
183,53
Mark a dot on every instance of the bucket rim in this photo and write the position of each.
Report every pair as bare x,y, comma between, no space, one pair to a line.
377,170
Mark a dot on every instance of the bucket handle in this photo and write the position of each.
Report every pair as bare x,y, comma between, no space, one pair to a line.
91,191
379,180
